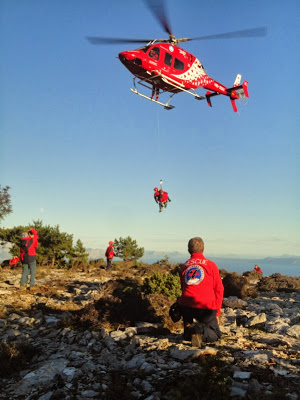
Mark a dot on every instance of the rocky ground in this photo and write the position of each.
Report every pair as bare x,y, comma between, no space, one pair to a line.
90,335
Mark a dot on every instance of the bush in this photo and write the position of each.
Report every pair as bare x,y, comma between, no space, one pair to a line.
167,284
164,262
237,285
279,283
252,276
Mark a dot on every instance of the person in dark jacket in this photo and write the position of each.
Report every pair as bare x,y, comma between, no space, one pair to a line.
28,245
109,254
202,295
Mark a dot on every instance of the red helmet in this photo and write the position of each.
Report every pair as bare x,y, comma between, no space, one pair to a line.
156,189
111,242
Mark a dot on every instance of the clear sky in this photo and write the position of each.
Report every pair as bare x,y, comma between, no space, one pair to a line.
79,150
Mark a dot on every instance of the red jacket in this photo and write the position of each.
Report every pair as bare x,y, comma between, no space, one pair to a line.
109,252
27,248
201,285
164,197
14,261
156,196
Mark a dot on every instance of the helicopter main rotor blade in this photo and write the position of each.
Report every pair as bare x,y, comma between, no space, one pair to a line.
105,40
158,9
255,32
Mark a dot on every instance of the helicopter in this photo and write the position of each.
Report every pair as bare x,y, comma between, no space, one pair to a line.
161,66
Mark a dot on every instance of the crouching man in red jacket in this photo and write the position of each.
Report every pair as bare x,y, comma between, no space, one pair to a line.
202,295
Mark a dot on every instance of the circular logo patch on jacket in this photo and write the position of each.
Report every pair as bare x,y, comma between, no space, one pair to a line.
194,275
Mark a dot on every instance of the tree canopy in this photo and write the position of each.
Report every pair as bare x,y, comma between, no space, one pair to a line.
55,247
5,202
127,249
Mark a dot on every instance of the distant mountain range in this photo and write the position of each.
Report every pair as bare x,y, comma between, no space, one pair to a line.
148,255
175,256
151,256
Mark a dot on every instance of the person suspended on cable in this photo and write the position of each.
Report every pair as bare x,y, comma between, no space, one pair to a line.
163,199
156,194
155,91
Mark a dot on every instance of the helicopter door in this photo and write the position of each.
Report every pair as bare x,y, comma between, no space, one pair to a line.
168,60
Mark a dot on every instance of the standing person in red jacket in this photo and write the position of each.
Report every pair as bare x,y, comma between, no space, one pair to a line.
109,254
202,295
28,244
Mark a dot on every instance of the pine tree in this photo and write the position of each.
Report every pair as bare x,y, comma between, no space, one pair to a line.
55,247
79,252
127,249
5,202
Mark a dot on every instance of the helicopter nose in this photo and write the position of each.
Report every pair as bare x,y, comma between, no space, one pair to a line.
127,56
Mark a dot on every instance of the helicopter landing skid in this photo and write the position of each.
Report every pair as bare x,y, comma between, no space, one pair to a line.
166,105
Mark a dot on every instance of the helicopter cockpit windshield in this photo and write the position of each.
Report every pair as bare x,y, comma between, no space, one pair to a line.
154,53
144,48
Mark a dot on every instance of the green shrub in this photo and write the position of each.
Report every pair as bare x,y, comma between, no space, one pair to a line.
167,284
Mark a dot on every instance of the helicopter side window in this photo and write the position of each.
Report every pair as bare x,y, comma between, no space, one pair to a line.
154,53
178,64
168,59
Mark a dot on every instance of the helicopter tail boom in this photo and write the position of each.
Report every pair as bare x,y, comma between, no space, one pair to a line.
236,92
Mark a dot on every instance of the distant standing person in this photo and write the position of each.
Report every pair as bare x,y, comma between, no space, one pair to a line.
257,269
109,254
202,295
28,245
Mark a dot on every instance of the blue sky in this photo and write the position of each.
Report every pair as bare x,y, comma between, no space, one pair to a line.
79,150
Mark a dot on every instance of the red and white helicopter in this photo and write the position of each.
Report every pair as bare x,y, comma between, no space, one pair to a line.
162,66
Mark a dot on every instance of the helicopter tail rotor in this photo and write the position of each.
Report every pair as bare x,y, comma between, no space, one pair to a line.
236,92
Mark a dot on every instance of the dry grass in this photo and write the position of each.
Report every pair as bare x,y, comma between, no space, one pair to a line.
14,357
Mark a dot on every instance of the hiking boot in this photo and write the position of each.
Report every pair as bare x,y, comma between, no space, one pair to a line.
196,331
196,339
187,334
